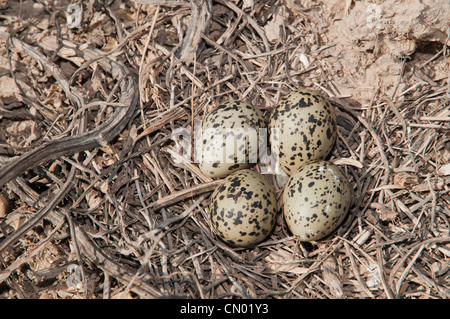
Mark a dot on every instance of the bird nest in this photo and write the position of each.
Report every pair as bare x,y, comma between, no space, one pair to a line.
106,201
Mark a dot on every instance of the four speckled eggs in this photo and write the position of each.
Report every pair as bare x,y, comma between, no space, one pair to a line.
317,196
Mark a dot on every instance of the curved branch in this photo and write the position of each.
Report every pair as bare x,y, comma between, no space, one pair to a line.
81,142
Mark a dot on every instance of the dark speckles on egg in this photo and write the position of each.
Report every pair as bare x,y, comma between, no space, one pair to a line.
229,128
243,208
313,212
302,117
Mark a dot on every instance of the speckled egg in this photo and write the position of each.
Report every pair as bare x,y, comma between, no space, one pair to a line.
228,138
243,209
316,199
305,129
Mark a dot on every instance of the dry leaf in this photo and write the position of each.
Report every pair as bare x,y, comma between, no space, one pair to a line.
348,161
388,215
67,51
331,277
304,59
111,44
247,4
384,212
7,86
444,170
93,199
373,280
281,261
405,179
275,25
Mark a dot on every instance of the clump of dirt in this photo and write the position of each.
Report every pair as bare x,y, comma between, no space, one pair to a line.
374,39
